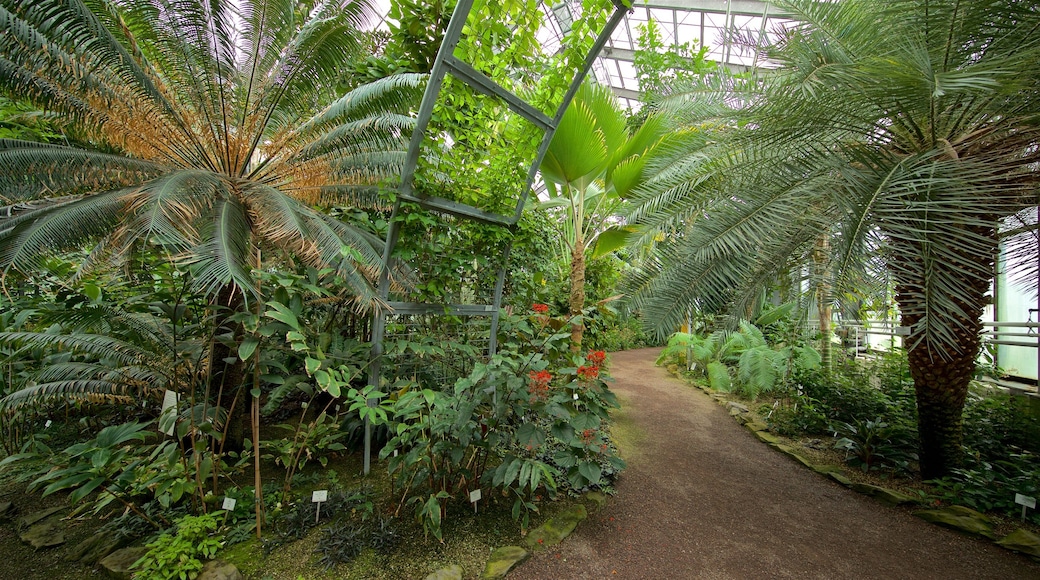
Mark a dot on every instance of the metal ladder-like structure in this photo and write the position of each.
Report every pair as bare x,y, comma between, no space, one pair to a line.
446,63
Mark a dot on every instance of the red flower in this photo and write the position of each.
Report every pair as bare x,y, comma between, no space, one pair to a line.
588,373
596,357
542,377
538,388
540,308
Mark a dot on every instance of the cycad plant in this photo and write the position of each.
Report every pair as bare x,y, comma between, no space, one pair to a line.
905,129
207,130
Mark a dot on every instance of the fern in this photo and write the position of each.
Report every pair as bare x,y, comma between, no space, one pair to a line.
758,370
718,377
677,347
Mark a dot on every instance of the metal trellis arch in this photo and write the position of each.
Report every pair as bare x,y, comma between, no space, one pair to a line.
445,63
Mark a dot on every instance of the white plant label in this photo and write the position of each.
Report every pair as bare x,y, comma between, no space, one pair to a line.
229,504
474,496
47,424
320,495
1025,500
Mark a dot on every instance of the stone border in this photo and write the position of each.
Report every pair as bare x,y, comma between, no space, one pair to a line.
551,533
959,518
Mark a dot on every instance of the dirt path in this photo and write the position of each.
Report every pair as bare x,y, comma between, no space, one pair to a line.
702,498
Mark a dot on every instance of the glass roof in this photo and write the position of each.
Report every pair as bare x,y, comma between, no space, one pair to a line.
726,27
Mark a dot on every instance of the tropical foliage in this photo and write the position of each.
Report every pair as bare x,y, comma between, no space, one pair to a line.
903,131
592,164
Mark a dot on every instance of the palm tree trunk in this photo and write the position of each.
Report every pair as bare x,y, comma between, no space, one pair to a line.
227,370
942,375
577,293
823,299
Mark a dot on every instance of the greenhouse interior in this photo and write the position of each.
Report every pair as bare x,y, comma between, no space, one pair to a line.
445,289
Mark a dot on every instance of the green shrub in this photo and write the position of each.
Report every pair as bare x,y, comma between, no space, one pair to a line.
992,486
179,555
493,426
876,443
995,423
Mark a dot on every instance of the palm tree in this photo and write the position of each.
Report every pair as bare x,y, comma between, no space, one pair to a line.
908,129
590,167
208,130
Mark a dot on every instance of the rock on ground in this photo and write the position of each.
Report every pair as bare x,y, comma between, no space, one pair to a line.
45,535
502,561
1024,541
219,570
964,520
117,564
555,529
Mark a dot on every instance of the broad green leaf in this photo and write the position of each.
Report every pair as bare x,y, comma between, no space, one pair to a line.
611,240
248,347
590,471
283,314
312,365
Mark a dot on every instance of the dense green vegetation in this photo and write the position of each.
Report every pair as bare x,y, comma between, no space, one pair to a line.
196,196
193,221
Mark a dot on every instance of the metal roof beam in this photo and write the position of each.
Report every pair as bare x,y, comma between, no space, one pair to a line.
481,82
739,7
457,209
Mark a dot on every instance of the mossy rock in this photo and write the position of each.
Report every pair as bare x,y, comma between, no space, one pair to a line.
756,426
118,564
30,519
453,572
792,453
767,437
220,570
6,511
827,469
555,529
45,535
502,561
1022,540
883,494
840,478
962,519
595,501
95,547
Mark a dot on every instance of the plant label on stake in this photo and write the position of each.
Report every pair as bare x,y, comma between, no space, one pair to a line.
228,506
319,496
47,425
1026,502
474,497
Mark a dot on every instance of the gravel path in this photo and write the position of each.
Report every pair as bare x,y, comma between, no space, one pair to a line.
702,498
